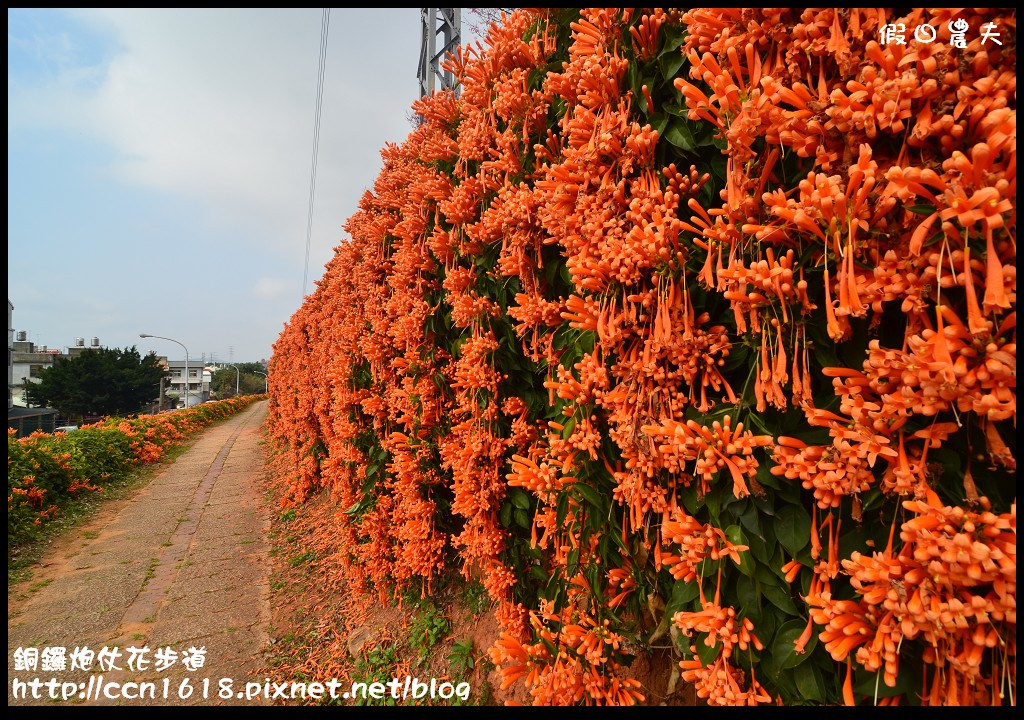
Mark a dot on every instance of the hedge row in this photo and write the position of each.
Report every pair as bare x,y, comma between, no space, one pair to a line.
46,470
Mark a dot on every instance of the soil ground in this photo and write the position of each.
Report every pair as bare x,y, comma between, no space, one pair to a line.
323,631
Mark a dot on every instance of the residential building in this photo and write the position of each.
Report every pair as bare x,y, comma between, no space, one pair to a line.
24,420
10,353
80,347
27,361
198,381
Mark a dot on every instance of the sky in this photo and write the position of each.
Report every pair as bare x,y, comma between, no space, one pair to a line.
159,162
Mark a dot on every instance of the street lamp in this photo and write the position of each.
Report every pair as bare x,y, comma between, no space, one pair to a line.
266,381
238,375
161,337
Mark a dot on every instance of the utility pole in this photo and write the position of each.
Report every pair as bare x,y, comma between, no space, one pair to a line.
446,22
238,377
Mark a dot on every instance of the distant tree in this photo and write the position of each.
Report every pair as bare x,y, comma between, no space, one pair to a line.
481,19
222,384
107,381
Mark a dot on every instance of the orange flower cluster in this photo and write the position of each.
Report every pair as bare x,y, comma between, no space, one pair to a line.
579,669
719,683
953,585
714,448
697,542
551,326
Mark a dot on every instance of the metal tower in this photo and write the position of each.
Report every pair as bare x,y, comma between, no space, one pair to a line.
434,22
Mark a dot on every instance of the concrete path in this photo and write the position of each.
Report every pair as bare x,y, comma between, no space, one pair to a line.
182,564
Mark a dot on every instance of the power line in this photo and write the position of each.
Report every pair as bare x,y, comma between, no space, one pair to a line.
324,26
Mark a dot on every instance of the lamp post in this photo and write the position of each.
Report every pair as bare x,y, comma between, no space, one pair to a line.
266,380
161,337
238,376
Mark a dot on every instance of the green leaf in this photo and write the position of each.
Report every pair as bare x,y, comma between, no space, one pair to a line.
758,548
561,508
572,560
683,593
680,135
675,110
780,598
519,498
706,654
872,684
770,619
670,64
810,684
688,497
659,121
555,584
522,519
736,537
747,592
924,209
713,502
505,515
359,506
590,494
749,519
632,76
783,646
675,36
708,567
792,528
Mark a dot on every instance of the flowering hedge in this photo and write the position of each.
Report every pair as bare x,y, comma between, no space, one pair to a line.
690,324
44,470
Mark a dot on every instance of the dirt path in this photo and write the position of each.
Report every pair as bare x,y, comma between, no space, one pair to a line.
181,564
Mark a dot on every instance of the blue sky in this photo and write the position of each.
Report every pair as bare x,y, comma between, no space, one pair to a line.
158,165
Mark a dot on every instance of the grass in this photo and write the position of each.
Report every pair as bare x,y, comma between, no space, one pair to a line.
461,656
426,630
291,645
23,557
151,570
378,665
36,587
476,598
302,558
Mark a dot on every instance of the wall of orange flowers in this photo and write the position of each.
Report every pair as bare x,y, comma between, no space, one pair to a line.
690,326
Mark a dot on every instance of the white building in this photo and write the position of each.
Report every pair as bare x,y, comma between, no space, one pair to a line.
10,352
27,361
198,382
20,367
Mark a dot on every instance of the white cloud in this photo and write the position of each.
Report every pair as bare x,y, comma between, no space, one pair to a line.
218,106
204,117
